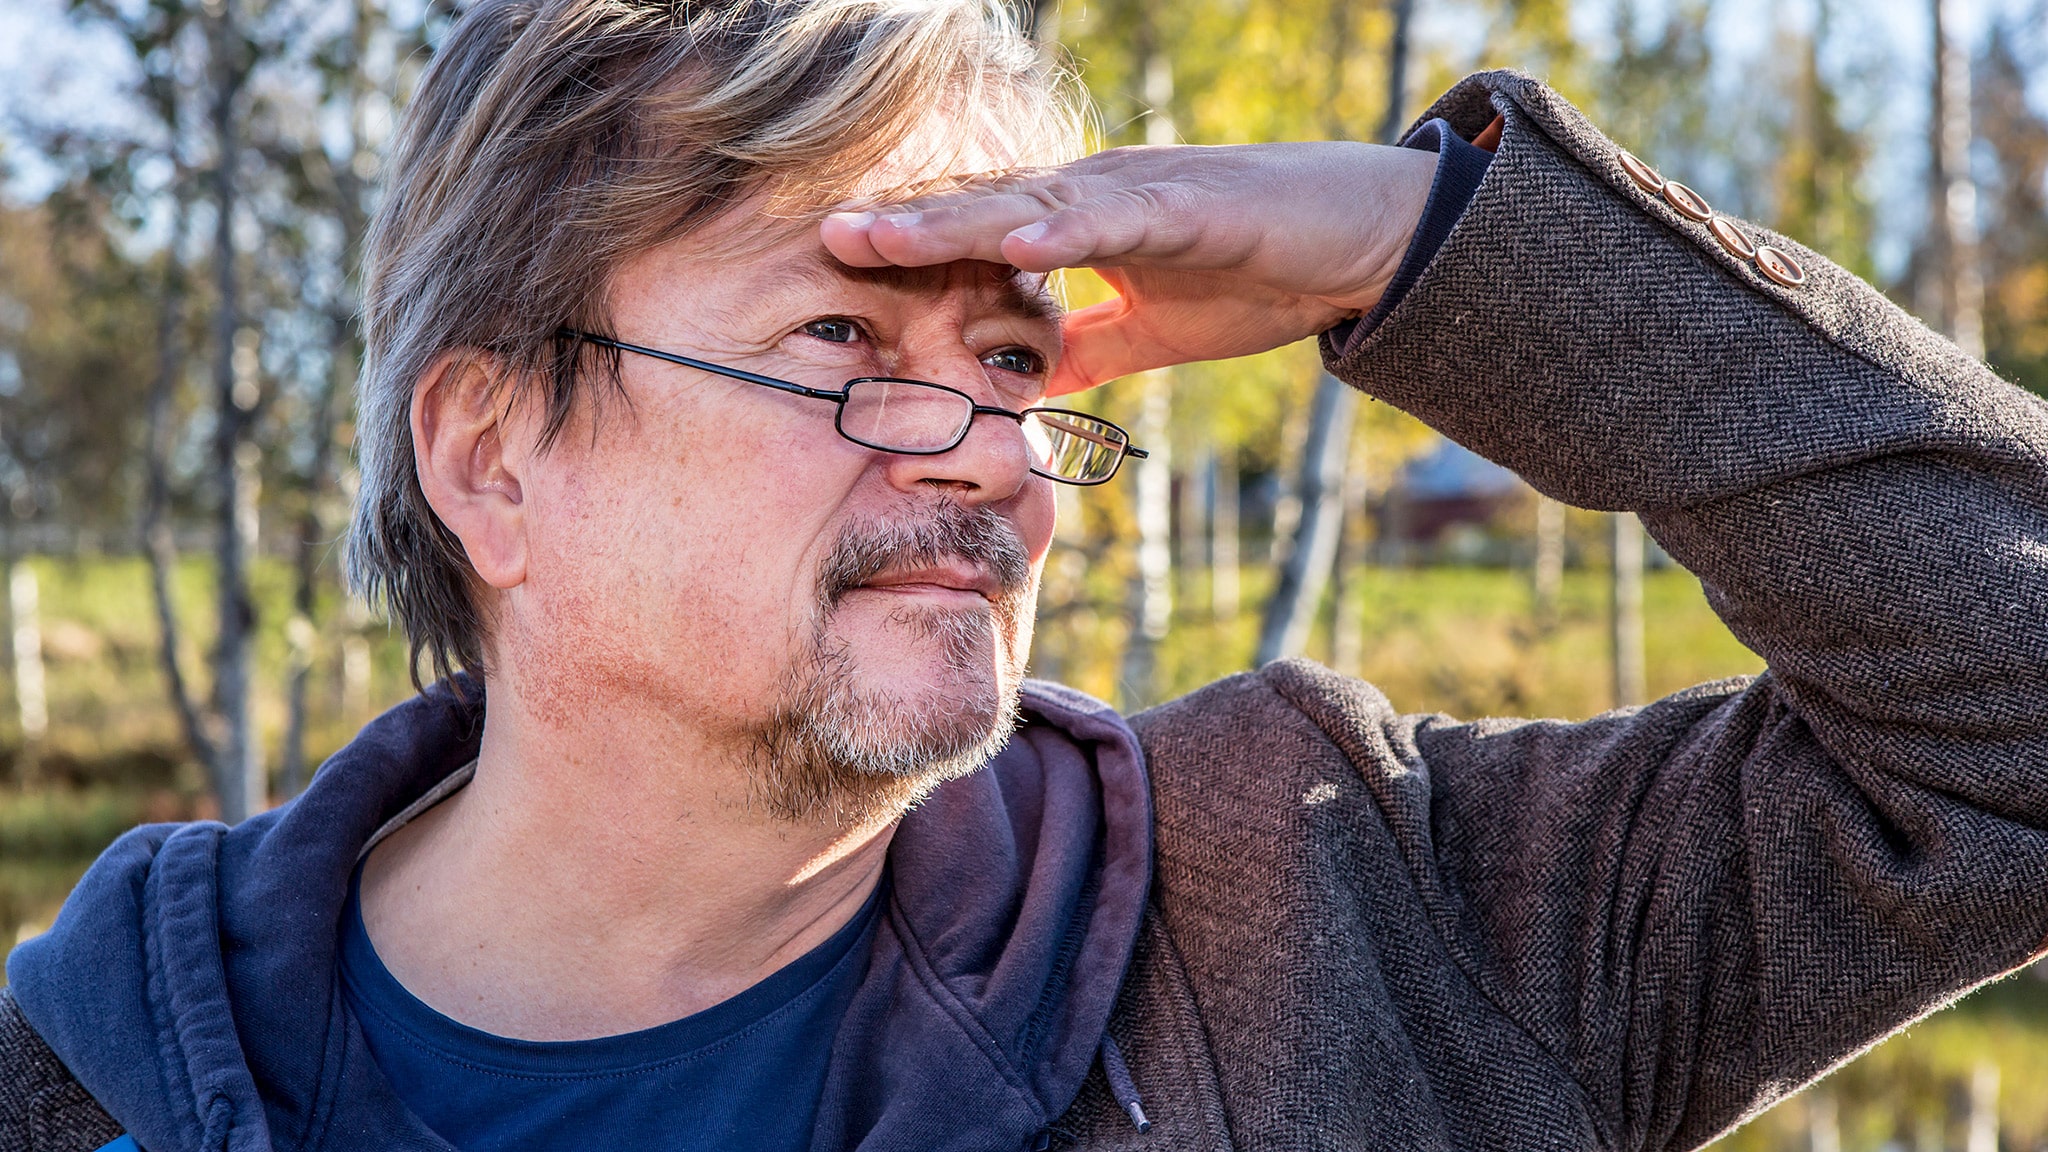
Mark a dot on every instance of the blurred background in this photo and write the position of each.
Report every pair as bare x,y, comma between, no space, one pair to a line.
184,187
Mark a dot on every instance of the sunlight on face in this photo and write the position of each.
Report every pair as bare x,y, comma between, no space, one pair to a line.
854,734
854,624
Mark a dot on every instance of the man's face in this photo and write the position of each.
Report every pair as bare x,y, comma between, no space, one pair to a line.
713,550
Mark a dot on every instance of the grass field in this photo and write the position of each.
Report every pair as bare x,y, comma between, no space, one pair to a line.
1457,640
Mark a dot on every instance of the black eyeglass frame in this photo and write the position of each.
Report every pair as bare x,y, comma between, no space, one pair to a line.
840,398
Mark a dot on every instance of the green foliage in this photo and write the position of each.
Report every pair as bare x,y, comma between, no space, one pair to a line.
30,891
76,341
110,718
67,824
2016,259
1821,161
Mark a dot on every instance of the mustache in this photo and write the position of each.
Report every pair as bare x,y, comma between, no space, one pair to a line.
942,531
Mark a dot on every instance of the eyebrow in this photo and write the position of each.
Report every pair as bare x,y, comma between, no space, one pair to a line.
819,268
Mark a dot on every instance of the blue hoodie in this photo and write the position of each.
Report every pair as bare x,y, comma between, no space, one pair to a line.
190,981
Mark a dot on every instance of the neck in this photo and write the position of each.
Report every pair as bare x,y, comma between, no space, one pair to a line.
604,875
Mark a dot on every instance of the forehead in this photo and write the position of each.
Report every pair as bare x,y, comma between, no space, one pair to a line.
752,270
810,272
753,264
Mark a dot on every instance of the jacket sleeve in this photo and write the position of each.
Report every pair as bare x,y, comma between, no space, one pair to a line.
1703,904
43,1108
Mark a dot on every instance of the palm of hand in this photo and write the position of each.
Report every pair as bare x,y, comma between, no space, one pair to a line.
1162,317
1214,251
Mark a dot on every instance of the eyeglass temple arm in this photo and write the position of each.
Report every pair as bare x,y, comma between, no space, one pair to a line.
1128,449
702,365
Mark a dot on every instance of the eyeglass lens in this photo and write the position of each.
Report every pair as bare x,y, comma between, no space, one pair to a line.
1074,446
902,416
908,416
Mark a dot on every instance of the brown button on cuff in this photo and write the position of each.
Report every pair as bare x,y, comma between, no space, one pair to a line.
1640,172
1780,267
1732,238
1688,202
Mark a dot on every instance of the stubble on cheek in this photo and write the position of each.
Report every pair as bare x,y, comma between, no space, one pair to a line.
601,630
841,745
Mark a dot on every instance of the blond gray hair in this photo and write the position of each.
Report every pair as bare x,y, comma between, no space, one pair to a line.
551,140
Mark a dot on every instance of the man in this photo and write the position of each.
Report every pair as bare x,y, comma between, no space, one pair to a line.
744,832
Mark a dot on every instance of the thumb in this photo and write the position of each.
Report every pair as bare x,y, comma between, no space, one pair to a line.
1101,343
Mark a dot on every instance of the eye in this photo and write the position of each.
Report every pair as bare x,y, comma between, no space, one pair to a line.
835,330
1022,361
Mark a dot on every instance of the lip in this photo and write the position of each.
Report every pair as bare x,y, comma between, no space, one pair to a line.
937,579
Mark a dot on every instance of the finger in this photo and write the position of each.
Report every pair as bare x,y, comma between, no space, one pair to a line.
845,235
1151,224
915,235
1045,223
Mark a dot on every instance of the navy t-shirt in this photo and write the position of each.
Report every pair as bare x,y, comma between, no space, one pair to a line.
740,1076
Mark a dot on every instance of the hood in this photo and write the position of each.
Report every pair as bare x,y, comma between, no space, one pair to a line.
189,982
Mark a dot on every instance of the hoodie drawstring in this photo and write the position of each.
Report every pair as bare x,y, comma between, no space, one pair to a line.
1119,1076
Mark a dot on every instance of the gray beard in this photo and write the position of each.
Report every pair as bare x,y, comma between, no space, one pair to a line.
839,750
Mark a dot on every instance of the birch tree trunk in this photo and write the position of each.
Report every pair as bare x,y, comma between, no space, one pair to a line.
1305,570
1306,560
1151,602
236,769
1952,211
159,545
1223,534
1196,499
1347,619
1823,1125
302,633
1983,1127
1395,115
343,189
1151,605
1625,624
1547,577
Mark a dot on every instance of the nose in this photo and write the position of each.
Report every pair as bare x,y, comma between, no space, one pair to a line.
991,465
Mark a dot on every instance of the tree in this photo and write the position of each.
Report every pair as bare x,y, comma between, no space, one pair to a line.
237,766
243,209
329,181
2016,202
1312,552
1151,605
1951,284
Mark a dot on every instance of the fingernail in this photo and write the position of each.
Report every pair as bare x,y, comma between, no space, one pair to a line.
856,220
1030,233
902,219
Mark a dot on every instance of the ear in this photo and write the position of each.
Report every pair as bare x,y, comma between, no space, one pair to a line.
470,458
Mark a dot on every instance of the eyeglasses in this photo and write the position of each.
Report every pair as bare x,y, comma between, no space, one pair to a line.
919,418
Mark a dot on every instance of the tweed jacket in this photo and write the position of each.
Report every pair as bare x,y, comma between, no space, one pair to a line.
1376,930
1372,930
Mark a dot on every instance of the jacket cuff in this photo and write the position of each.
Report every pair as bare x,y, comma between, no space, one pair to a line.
1459,169
1617,352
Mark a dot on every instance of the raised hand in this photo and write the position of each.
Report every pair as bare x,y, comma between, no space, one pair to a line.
1214,251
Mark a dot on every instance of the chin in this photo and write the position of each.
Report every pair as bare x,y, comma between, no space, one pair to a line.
871,719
